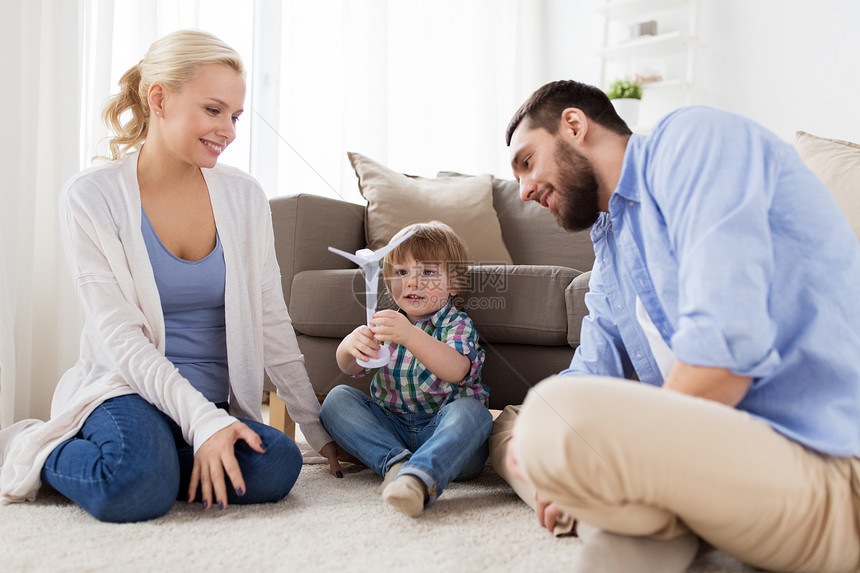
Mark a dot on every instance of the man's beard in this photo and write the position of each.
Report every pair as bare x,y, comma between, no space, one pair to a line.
576,197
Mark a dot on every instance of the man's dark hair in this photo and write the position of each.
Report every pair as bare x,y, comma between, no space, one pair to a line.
544,107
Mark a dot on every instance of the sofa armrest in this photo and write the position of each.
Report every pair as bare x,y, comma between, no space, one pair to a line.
574,297
306,225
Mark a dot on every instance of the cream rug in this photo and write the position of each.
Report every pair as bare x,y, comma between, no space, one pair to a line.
324,524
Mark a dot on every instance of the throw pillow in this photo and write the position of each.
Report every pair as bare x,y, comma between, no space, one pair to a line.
837,164
395,200
532,234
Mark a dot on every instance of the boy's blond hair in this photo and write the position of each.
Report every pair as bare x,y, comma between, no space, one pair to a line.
432,242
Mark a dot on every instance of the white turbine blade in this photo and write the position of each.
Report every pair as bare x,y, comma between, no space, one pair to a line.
345,255
388,248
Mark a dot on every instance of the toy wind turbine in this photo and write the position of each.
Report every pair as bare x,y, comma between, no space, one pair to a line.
369,262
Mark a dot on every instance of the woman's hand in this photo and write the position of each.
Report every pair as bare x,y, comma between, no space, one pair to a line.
215,458
330,452
390,325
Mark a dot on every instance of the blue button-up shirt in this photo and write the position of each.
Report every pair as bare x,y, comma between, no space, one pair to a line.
743,260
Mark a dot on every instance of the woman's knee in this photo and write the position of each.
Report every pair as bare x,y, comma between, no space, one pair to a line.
139,489
269,476
289,460
123,467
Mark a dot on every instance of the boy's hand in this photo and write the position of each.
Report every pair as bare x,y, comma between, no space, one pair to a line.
361,344
390,325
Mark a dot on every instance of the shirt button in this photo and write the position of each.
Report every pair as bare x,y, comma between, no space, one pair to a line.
630,203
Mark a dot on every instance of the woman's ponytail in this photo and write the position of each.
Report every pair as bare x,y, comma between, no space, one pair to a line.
129,136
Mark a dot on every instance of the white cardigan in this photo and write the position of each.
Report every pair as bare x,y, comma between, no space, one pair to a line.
122,346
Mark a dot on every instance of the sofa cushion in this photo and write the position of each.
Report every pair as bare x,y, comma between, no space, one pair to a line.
335,313
518,304
395,200
837,164
531,233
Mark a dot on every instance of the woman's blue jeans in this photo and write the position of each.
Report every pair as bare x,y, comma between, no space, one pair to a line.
130,463
436,448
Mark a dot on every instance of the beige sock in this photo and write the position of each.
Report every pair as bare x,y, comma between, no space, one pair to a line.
407,493
390,475
612,553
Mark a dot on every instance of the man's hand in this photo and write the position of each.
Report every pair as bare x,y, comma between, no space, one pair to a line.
548,512
512,463
718,384
215,458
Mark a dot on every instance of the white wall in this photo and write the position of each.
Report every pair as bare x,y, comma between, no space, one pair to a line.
788,64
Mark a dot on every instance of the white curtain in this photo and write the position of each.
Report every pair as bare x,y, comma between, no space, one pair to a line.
62,60
422,86
40,317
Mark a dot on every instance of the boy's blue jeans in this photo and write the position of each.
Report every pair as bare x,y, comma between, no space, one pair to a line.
130,463
436,448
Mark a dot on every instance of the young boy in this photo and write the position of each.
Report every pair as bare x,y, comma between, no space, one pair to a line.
426,421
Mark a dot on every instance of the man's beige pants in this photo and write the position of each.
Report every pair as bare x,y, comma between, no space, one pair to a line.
638,460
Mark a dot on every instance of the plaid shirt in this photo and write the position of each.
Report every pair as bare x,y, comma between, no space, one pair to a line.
406,386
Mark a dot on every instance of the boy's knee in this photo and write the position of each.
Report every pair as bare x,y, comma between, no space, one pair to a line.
338,398
467,412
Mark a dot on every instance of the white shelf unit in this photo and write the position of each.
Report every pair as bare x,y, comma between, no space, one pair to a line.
669,54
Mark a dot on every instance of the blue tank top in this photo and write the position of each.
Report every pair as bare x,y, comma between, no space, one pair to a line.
192,301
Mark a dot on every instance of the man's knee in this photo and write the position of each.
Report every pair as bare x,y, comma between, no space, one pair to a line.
566,414
503,428
565,403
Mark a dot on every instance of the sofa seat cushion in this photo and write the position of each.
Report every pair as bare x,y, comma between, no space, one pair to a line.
327,303
518,304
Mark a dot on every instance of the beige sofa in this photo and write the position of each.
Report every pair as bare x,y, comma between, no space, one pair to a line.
527,314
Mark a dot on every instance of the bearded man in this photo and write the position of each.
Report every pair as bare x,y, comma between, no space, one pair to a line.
725,281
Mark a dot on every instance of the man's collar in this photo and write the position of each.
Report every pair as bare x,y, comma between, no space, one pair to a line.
627,187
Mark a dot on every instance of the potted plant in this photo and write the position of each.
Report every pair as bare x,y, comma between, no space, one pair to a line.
626,97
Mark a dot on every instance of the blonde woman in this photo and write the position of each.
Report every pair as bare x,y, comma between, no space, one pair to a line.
173,258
